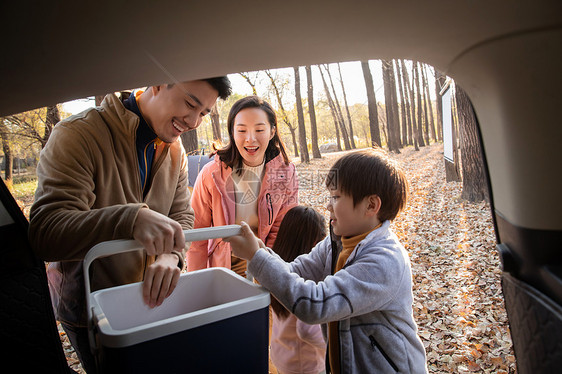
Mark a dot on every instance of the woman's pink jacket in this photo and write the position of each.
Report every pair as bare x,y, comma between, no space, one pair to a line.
214,205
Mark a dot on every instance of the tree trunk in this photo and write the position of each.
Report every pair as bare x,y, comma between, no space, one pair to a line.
429,106
395,110
312,114
284,115
474,187
300,115
389,100
338,141
419,130
432,131
8,157
190,141
404,128
383,121
332,109
410,88
425,128
439,82
372,105
339,114
294,140
215,123
8,161
407,101
351,137
53,117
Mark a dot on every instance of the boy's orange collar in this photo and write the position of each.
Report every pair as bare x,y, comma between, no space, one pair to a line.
354,240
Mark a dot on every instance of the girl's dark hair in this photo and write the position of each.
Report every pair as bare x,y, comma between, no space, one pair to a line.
301,228
230,154
371,172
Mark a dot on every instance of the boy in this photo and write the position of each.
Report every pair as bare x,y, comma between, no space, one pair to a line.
358,280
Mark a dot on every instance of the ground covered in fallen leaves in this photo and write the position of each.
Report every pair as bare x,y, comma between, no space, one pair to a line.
458,304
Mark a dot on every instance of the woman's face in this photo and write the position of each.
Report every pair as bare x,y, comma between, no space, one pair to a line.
252,133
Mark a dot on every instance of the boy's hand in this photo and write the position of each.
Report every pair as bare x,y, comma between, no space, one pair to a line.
246,244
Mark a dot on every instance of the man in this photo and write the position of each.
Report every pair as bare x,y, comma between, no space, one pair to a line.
118,171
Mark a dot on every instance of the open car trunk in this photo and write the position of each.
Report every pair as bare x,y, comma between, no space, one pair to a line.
29,331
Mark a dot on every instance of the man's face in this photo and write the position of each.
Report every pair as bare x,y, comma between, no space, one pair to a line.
174,110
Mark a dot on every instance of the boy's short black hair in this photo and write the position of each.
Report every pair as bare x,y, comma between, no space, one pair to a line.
371,172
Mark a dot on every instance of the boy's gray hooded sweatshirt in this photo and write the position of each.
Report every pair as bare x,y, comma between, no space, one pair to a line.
371,297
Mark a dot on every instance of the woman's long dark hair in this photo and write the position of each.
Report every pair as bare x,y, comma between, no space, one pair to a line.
301,228
230,154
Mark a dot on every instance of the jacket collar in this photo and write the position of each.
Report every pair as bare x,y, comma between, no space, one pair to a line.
337,243
114,108
375,234
145,134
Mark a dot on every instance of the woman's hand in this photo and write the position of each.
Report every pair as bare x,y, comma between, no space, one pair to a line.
246,244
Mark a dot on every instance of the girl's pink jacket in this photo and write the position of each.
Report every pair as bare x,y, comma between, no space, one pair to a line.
214,205
297,347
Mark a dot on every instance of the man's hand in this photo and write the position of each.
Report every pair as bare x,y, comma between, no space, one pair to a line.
157,233
246,244
160,279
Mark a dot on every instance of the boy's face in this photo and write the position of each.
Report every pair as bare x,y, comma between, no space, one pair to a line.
349,220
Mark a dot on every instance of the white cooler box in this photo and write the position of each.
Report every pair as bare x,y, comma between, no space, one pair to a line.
214,322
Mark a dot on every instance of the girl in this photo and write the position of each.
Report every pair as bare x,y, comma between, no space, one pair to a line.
251,180
297,347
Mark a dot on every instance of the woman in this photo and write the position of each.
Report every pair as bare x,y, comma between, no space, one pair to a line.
251,180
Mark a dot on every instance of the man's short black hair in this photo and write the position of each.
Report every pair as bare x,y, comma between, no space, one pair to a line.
222,85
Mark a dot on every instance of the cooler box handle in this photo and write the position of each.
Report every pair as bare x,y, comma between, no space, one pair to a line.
112,247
